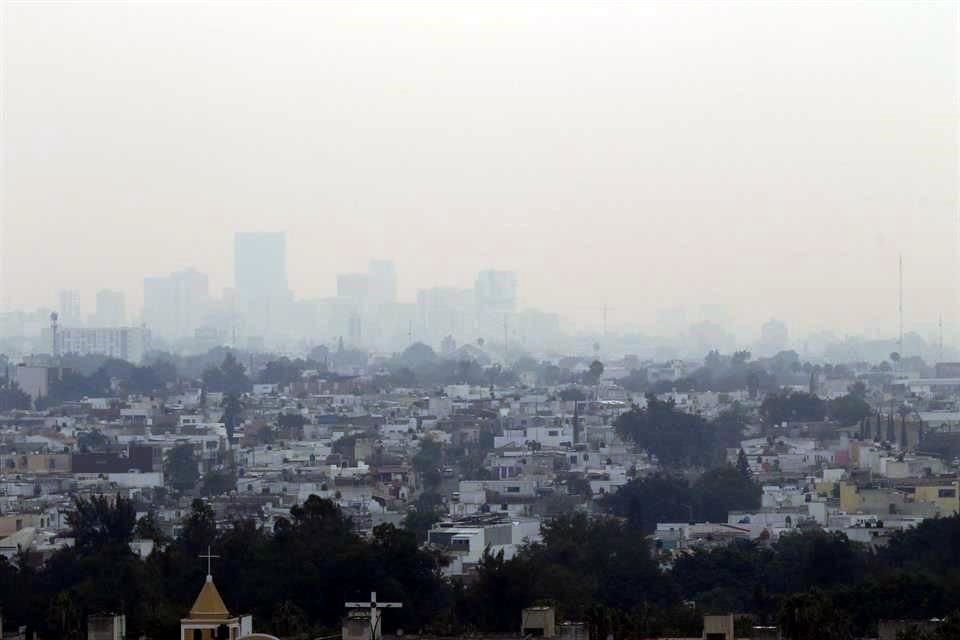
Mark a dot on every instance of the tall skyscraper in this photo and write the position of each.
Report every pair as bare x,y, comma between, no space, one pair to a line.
382,282
496,291
70,313
111,309
444,311
260,275
260,263
174,305
353,288
774,337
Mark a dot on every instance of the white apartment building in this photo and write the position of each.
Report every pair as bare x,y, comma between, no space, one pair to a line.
125,343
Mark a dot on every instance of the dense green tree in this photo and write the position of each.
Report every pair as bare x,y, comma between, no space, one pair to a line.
181,467
419,522
65,617
743,465
148,528
813,616
92,440
427,460
12,397
230,377
848,409
232,413
644,502
675,437
722,490
572,394
948,629
217,483
792,406
595,372
100,521
417,355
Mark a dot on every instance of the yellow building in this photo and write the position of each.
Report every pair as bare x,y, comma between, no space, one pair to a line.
944,494
35,463
910,496
208,615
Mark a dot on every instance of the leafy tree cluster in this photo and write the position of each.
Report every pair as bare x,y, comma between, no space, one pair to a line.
12,397
294,580
816,584
420,365
112,377
599,570
849,409
180,467
792,406
678,438
644,502
723,373
229,378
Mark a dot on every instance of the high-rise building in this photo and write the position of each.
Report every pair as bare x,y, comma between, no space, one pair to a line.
382,286
773,337
126,343
260,275
260,264
70,312
174,305
444,311
111,309
496,291
353,288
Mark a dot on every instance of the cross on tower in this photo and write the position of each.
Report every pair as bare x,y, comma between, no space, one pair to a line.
375,607
209,556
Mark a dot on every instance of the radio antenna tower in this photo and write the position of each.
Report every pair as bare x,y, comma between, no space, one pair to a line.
900,309
54,326
940,345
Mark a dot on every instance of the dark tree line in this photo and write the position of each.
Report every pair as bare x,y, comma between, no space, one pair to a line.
600,570
667,498
294,580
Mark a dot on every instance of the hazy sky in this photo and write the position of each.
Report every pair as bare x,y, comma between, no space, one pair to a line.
770,156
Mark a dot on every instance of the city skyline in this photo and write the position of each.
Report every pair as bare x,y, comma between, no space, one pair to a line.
635,154
671,321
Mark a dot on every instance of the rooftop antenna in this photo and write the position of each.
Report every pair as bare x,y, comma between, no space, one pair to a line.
940,342
410,333
53,332
900,309
505,350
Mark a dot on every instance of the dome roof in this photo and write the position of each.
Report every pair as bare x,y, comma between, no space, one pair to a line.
259,636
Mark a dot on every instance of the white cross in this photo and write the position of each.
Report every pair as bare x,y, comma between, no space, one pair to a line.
209,556
375,608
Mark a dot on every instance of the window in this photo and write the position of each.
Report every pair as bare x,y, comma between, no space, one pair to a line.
513,489
947,493
503,507
197,634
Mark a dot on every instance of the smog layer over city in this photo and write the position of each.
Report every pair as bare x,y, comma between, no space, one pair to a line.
479,320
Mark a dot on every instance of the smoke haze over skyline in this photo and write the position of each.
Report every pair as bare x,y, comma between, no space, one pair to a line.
773,158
